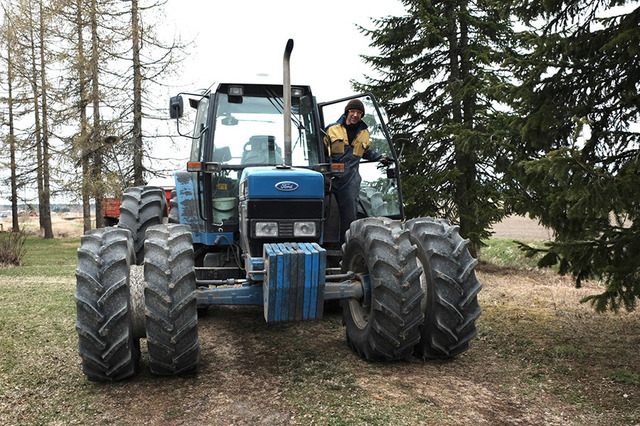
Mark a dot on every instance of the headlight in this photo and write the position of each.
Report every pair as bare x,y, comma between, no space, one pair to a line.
304,229
266,229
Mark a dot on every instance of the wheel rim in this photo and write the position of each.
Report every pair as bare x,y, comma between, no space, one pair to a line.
424,285
360,310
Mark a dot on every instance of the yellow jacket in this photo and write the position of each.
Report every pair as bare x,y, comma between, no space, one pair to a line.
339,139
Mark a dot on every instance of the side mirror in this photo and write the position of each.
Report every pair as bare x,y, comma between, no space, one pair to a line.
176,107
391,173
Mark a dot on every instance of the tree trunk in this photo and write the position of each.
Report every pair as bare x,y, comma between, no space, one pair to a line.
45,195
462,116
468,114
138,171
82,107
455,81
96,133
15,227
36,108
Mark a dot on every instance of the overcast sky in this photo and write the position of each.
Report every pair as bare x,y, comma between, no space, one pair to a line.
244,41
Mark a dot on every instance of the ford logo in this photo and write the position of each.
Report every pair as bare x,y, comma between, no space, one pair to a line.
286,186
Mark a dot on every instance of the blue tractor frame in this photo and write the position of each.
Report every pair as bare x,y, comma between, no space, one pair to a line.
291,277
253,221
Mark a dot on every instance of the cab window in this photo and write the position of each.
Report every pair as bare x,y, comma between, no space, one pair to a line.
250,132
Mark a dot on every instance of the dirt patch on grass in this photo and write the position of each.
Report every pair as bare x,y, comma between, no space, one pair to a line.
540,357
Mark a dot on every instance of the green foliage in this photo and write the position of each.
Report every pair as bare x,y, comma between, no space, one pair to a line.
441,89
625,376
595,216
578,169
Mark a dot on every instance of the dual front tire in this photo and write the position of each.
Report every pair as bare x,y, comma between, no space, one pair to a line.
420,296
106,318
423,289
170,301
107,345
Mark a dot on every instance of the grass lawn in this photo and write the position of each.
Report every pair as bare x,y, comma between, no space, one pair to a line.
40,376
540,357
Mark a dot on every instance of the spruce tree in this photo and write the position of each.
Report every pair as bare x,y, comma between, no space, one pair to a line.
577,110
441,84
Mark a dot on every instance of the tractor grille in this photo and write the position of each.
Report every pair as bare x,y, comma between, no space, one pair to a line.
284,212
286,229
285,209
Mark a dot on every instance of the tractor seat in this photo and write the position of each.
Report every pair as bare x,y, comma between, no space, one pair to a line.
262,150
221,154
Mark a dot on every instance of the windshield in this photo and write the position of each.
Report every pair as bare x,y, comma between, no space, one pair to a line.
249,131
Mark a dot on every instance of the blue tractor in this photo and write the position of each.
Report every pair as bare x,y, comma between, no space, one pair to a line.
252,221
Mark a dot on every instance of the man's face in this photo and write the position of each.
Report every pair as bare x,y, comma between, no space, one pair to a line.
354,116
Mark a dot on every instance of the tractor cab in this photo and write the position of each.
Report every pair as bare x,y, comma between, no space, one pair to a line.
238,189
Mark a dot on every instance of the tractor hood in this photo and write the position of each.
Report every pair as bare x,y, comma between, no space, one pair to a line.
280,182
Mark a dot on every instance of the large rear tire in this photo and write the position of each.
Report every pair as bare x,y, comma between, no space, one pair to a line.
451,288
106,341
385,324
171,310
142,207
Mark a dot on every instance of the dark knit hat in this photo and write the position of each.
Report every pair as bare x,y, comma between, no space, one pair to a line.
354,104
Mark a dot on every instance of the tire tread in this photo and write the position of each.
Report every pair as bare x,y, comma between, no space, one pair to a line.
450,316
106,344
393,327
141,208
171,310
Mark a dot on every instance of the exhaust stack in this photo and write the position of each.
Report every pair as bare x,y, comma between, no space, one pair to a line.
286,94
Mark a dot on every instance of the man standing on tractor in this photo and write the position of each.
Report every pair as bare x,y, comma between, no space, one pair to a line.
349,143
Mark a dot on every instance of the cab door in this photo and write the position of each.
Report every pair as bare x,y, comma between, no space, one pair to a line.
380,190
